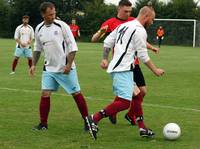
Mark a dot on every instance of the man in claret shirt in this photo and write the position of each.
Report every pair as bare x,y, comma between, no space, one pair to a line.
123,15
75,29
55,38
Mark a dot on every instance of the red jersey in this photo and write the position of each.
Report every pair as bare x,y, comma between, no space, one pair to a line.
74,28
114,23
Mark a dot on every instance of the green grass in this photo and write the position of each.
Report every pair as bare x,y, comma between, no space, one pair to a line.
171,98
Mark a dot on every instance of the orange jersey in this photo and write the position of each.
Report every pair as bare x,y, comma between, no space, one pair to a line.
160,32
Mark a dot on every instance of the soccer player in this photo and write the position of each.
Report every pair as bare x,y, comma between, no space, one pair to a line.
127,39
24,34
55,38
160,35
75,29
123,15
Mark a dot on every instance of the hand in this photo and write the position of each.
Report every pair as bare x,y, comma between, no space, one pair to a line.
67,69
162,37
155,50
104,64
32,70
159,72
23,45
28,43
157,37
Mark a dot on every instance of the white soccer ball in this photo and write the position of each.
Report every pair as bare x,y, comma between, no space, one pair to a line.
171,131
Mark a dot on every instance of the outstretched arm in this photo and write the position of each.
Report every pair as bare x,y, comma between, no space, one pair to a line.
157,71
152,48
99,34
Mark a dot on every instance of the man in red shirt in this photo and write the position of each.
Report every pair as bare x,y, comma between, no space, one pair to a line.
123,15
75,29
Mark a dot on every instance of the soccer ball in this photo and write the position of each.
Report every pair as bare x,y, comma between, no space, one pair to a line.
171,131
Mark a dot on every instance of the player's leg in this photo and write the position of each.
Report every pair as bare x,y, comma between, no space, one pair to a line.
28,55
161,38
130,115
136,105
113,118
119,104
49,84
123,89
141,85
14,64
71,85
18,53
135,113
159,41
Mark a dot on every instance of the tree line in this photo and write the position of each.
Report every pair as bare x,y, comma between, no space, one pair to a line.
89,13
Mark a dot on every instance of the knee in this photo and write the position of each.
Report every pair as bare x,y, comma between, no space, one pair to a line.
46,93
75,94
143,91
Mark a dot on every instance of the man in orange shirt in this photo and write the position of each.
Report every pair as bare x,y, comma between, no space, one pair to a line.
160,35
75,29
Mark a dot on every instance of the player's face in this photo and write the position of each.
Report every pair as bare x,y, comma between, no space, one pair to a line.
49,15
73,21
124,12
150,19
25,21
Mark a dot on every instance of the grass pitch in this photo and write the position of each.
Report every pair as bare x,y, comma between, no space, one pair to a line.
171,98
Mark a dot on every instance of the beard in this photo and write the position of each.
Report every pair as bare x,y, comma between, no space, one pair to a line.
146,25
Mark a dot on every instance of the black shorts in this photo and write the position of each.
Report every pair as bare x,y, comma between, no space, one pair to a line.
138,76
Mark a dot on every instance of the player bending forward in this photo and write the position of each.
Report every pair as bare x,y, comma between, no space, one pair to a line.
126,40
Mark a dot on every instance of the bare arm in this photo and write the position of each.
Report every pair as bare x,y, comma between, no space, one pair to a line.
99,34
106,53
79,34
30,41
104,61
18,41
36,57
152,48
70,60
154,69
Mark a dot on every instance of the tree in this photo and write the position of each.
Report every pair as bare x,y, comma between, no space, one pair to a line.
4,19
95,12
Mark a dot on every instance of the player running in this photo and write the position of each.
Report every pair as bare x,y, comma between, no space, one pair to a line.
127,39
123,15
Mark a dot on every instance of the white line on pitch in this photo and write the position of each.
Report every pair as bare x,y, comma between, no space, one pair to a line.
145,104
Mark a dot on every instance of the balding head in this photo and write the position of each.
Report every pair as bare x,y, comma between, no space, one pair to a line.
146,10
146,15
